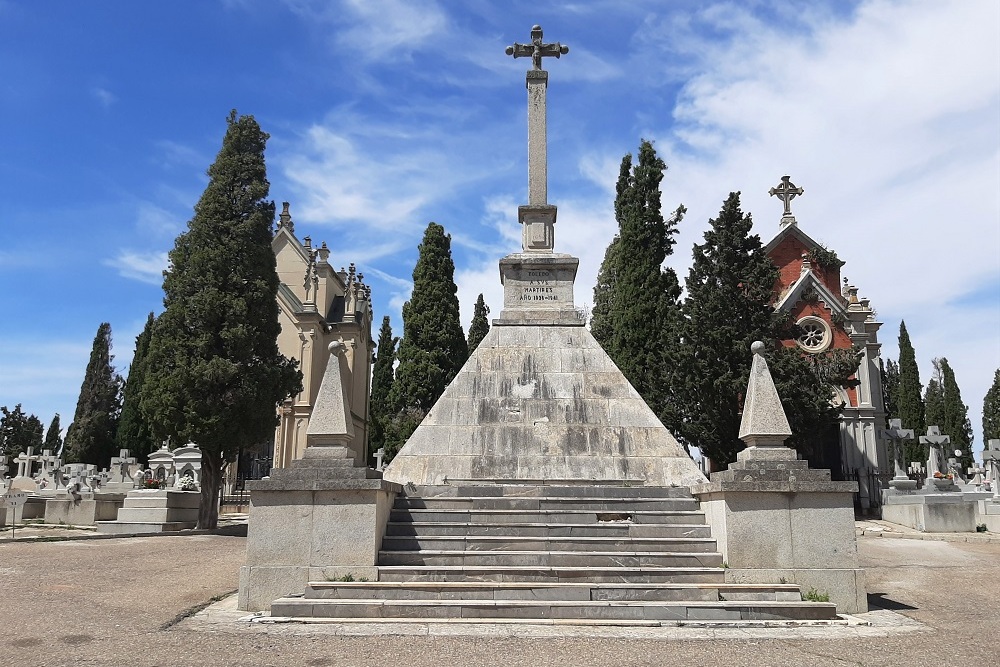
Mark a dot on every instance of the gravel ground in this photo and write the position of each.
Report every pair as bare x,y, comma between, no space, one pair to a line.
118,602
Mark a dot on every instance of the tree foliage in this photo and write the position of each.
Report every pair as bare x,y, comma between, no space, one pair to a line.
991,411
134,433
480,325
213,371
728,307
382,378
53,436
954,418
91,436
890,389
908,402
433,348
636,313
18,431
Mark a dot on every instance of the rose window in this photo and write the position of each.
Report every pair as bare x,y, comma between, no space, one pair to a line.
815,336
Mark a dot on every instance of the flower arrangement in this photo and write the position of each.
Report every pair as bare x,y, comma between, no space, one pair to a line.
187,483
940,475
152,483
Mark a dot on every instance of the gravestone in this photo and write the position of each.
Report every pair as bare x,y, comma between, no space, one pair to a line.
991,459
161,464
123,469
24,481
897,435
187,463
936,442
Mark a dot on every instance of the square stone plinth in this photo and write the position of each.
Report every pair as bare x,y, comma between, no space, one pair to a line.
931,512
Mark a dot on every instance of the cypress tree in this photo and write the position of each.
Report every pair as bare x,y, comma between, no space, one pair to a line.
91,436
433,348
636,315
378,409
213,373
727,308
956,416
991,411
908,403
934,398
480,326
890,389
134,433
53,437
18,431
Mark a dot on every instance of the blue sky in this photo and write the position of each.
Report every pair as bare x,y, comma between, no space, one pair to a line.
387,114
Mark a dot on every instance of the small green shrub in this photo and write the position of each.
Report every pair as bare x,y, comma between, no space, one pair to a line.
812,595
981,528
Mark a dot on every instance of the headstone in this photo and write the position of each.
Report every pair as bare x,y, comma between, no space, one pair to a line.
991,459
78,484
161,463
121,468
379,456
897,435
24,481
49,477
187,463
935,442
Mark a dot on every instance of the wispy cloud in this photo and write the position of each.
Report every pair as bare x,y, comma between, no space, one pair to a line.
103,96
147,267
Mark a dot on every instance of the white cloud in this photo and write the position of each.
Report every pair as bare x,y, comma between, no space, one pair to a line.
42,375
147,267
104,96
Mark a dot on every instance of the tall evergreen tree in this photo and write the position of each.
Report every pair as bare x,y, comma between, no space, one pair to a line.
908,401
934,413
91,436
134,433
382,377
433,348
991,411
636,315
890,389
53,437
956,416
18,431
480,326
728,306
213,373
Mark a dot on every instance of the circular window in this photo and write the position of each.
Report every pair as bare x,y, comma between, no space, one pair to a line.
815,336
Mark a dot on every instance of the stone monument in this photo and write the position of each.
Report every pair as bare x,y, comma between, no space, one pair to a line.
539,400
775,519
897,435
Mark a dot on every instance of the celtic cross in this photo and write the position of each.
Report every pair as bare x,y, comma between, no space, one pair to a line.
786,191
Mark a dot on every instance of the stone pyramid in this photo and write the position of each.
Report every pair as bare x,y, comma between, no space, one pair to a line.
539,401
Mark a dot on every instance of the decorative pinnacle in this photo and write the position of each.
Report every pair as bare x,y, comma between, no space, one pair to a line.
536,50
764,423
786,191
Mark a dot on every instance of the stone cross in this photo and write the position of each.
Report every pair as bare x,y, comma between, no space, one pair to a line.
24,461
537,217
977,473
934,441
897,435
991,458
121,466
378,458
786,191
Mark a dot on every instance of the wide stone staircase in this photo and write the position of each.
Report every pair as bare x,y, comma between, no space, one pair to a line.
600,554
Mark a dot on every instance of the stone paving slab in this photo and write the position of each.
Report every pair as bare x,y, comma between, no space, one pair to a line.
879,528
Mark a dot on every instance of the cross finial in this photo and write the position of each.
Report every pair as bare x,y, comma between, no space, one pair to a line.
536,50
786,191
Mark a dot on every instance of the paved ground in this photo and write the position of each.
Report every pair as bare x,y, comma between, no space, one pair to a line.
116,602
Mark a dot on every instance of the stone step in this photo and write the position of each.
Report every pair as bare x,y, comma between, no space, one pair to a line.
588,490
160,514
553,558
551,574
472,590
666,611
527,529
549,516
625,545
602,505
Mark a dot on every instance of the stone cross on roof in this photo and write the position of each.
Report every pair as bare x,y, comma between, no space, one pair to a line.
537,218
786,191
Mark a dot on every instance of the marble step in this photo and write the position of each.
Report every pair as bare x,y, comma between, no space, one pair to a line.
666,611
549,516
529,558
472,590
625,545
528,529
603,505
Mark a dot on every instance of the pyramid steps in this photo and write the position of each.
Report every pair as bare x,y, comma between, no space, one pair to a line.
563,553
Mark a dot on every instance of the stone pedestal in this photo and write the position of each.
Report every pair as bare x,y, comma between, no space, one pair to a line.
538,289
930,512
775,519
319,519
84,512
154,511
